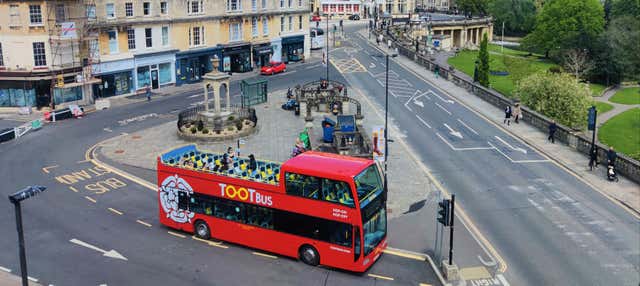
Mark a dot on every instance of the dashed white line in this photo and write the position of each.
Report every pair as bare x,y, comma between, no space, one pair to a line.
5,269
194,96
32,279
468,127
463,149
423,122
445,110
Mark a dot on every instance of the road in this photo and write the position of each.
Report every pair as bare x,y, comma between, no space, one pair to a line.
94,227
549,227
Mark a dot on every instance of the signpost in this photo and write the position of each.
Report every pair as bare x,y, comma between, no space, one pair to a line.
591,122
15,199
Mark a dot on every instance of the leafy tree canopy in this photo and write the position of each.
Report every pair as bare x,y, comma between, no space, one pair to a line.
519,16
566,24
559,96
623,39
625,7
473,6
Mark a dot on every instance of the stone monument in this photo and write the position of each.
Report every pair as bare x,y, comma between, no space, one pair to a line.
216,80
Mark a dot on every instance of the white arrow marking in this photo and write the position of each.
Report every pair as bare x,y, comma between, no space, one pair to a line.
418,102
453,132
112,253
445,100
107,129
509,145
372,65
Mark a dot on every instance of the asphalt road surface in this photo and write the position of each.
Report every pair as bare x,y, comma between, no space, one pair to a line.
94,227
550,227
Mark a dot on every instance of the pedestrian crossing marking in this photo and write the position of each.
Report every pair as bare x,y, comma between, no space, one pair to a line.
348,65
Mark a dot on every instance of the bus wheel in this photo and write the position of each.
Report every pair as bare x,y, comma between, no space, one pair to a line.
309,255
202,230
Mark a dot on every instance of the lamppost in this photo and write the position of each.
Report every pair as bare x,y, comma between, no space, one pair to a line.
15,199
386,117
327,46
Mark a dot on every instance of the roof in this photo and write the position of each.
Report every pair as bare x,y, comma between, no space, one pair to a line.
326,164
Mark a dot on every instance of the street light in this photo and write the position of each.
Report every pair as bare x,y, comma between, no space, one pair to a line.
386,116
15,199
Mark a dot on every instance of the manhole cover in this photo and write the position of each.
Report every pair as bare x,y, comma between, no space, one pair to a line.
118,151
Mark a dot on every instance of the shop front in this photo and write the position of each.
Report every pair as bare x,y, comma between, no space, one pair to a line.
236,58
262,54
293,48
192,65
154,69
116,76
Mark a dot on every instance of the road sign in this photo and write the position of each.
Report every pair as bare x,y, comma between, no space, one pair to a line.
591,120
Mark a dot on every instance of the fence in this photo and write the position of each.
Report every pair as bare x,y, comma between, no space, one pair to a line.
625,165
190,115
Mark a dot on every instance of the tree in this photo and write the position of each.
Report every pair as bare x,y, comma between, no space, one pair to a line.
577,62
623,36
517,67
566,24
625,7
473,6
519,16
483,61
559,96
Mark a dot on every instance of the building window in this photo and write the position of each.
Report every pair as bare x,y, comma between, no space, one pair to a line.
234,5
148,38
146,8
265,26
235,32
196,36
299,3
1,59
111,12
290,3
165,36
264,4
94,49
91,11
113,41
131,38
164,8
60,15
128,9
14,14
281,24
290,23
300,22
195,7
254,5
35,15
254,26
281,3
39,57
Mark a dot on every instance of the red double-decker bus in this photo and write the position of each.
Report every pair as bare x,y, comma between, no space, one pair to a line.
321,208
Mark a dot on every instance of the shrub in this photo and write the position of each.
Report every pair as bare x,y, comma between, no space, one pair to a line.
230,118
205,131
230,128
555,69
200,125
194,129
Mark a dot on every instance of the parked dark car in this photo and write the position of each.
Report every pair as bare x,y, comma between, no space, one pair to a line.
354,17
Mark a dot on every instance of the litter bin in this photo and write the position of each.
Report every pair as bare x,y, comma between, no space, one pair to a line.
296,108
327,130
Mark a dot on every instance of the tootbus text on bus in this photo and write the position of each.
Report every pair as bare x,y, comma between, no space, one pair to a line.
318,207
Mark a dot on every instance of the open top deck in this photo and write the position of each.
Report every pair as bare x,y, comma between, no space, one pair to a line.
190,158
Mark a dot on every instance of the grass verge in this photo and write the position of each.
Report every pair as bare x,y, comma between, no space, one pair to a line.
623,133
629,95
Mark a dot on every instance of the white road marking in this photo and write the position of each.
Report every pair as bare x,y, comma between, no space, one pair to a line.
517,161
509,145
445,100
107,129
445,110
468,127
372,65
453,132
462,149
111,253
418,102
5,269
536,205
32,279
195,95
423,122
502,280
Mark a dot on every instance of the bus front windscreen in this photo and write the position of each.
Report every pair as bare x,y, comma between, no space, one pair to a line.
368,185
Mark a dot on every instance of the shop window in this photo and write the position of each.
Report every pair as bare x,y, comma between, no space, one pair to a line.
356,8
340,8
39,56
17,97
110,11
165,73
62,95
148,37
131,38
128,9
144,77
35,14
113,41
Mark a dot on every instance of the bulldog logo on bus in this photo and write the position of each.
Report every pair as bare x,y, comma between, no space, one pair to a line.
169,194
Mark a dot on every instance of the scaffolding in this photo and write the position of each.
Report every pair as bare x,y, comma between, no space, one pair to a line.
73,41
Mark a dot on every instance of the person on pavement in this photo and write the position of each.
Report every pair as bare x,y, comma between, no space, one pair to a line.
553,127
147,90
611,156
517,113
507,115
593,158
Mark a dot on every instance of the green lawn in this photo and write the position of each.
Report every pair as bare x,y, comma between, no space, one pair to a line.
623,133
602,107
597,89
465,62
629,95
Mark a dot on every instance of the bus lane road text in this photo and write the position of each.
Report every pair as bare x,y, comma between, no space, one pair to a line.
96,180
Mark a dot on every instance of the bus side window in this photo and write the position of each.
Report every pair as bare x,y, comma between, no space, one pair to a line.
302,185
340,233
356,244
337,192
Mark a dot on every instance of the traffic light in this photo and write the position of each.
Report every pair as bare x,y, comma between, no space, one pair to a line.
444,212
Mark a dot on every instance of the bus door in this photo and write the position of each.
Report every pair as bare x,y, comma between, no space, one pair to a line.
356,243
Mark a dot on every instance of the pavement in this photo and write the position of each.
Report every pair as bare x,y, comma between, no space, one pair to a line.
9,279
617,107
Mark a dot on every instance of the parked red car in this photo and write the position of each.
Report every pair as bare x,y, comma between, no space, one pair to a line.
273,68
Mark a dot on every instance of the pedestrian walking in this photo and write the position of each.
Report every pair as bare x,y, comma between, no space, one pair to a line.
593,158
611,156
389,43
517,113
380,38
507,115
553,127
147,90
